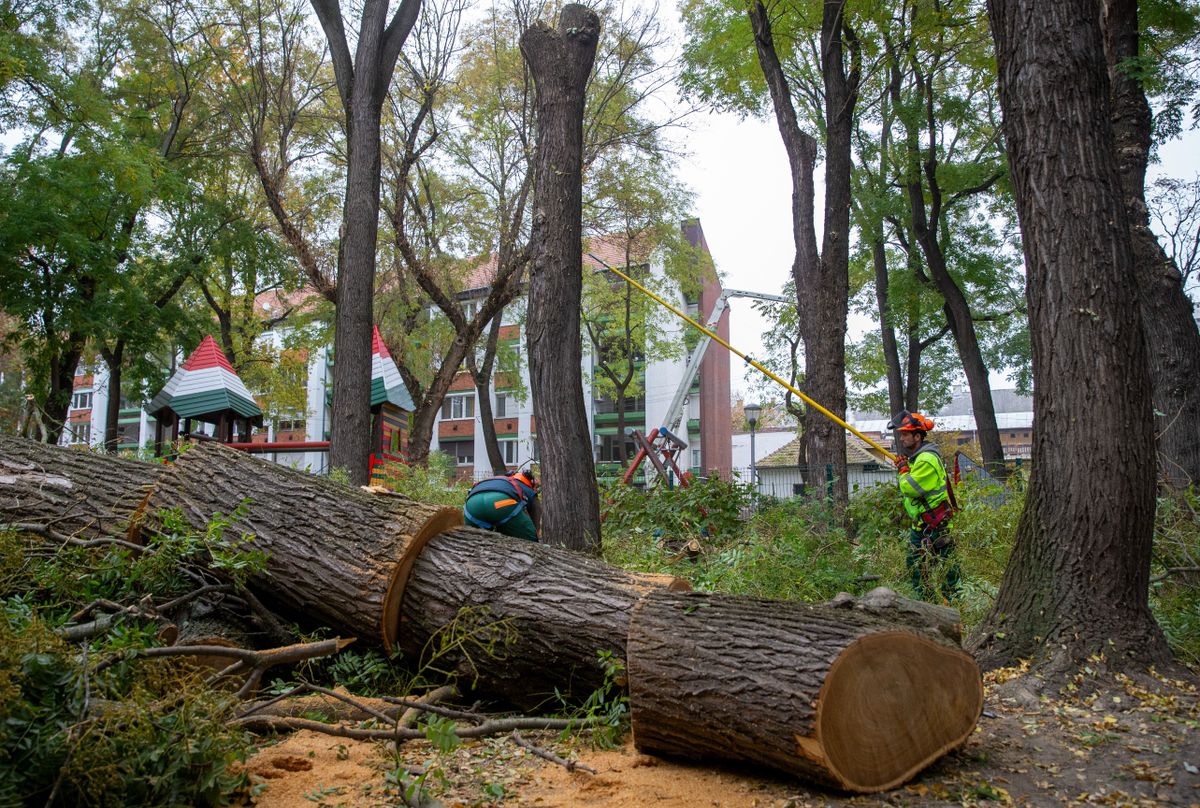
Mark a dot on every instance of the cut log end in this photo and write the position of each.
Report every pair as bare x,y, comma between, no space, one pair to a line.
891,704
443,519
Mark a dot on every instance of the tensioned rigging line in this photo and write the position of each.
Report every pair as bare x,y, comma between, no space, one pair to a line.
747,359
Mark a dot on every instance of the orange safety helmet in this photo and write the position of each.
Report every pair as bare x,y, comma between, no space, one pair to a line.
526,477
905,421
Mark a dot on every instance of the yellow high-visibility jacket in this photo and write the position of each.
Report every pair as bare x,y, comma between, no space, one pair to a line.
924,486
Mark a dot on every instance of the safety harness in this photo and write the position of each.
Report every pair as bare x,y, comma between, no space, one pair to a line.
934,517
500,485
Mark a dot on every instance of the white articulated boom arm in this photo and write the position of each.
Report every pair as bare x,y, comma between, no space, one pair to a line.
675,412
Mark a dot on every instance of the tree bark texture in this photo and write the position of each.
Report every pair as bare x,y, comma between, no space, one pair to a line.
833,696
336,554
76,493
1077,581
560,61
821,279
1172,338
362,86
825,353
543,613
887,328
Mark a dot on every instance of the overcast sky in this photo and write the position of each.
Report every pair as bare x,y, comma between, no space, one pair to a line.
738,170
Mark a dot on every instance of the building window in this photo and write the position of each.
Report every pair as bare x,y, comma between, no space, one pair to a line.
508,449
291,424
82,401
459,406
609,448
695,458
604,406
81,432
463,451
506,405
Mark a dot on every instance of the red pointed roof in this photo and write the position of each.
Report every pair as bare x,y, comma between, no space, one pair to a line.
207,355
377,346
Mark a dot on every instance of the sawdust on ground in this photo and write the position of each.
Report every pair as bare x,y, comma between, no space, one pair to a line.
1110,741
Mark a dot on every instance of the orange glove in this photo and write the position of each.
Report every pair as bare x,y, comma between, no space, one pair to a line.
901,464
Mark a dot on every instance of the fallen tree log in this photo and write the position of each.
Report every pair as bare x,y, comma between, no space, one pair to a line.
337,554
541,615
889,605
833,696
76,493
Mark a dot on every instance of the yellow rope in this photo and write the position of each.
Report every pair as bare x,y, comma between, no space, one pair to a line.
754,364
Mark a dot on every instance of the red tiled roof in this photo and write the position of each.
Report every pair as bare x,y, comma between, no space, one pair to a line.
207,355
608,248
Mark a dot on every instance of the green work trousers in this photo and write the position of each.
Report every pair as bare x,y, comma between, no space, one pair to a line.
492,507
933,568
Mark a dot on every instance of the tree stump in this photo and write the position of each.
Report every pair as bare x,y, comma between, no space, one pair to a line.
833,696
545,613
341,555
74,492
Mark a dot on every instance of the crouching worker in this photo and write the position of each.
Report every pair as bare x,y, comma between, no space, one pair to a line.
930,505
506,505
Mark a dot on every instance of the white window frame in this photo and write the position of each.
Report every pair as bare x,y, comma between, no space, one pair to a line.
453,448
81,400
458,407
506,405
508,451
81,432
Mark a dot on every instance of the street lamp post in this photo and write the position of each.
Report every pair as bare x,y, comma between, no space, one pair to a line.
752,412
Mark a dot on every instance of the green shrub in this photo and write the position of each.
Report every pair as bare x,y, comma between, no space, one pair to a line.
434,483
643,527
1175,572
130,734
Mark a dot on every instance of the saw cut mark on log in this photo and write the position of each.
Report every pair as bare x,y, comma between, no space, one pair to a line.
834,696
895,702
445,519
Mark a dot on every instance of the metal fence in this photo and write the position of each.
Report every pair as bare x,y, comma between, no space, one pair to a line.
785,482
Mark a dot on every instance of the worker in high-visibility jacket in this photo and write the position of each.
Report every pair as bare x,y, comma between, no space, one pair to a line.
929,502
506,504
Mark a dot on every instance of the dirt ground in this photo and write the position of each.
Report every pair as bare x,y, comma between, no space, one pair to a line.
1107,741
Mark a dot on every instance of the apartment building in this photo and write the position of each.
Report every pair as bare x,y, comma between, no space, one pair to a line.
705,425
458,430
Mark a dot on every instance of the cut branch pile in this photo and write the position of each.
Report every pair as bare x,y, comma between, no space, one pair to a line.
858,694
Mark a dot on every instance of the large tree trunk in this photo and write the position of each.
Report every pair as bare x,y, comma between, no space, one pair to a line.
112,406
821,280
832,693
74,493
481,375
362,86
825,354
560,62
336,554
527,620
1167,314
62,386
1077,581
887,328
834,696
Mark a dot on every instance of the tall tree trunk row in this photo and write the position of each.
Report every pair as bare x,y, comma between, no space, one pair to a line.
1172,336
560,61
1077,581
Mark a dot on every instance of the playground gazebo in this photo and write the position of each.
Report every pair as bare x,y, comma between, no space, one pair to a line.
206,389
